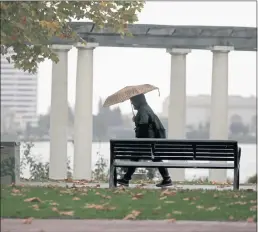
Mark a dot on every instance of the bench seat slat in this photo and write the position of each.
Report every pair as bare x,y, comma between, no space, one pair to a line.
120,163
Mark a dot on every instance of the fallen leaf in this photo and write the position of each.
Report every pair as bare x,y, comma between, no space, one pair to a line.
76,198
97,193
67,213
100,207
171,220
231,218
186,199
199,207
54,209
253,208
162,198
250,219
211,208
132,215
169,202
33,199
54,203
97,186
28,220
215,196
106,197
167,192
138,196
192,203
176,212
253,201
36,207
14,190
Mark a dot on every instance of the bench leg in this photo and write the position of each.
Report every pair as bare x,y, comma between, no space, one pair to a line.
112,176
115,177
236,179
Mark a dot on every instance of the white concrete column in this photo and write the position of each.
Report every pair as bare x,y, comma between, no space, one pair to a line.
59,115
83,112
177,102
219,103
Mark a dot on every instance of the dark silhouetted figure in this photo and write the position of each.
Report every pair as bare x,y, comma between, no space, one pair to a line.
147,125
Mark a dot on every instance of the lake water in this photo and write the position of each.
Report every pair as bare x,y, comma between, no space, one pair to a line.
41,151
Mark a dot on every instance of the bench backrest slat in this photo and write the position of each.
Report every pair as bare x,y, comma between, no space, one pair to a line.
163,149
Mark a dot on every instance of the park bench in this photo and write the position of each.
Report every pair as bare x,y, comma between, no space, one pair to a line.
123,153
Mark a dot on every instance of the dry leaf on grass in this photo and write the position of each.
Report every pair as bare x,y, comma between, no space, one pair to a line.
167,192
199,207
132,215
163,198
253,208
177,212
215,196
212,208
27,220
53,203
171,220
137,196
169,202
66,213
253,201
100,207
76,199
231,218
14,190
35,207
33,199
238,203
106,197
54,209
186,199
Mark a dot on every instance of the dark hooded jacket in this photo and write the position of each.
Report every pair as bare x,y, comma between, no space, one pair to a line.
147,124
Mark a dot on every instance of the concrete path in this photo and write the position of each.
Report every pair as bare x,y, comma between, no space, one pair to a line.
17,225
148,186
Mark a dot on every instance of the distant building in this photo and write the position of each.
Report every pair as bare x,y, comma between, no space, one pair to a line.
198,109
18,95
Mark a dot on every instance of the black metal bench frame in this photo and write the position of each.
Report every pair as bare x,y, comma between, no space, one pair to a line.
124,151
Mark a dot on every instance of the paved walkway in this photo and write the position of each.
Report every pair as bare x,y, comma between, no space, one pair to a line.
148,186
17,225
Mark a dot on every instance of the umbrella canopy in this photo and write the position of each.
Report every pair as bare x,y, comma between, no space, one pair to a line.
128,92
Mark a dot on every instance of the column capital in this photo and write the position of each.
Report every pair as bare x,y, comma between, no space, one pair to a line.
61,47
223,49
178,51
87,45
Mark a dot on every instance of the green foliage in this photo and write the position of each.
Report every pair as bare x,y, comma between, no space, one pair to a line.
252,179
39,171
35,23
100,172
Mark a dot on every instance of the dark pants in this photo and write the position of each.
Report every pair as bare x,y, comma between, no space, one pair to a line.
130,171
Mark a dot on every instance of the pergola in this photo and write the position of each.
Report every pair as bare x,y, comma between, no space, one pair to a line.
178,42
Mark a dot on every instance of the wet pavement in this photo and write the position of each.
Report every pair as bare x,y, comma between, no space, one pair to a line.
46,225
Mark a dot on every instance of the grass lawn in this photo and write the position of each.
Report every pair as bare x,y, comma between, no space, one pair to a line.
92,203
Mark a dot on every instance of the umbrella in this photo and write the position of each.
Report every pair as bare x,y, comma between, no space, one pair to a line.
127,92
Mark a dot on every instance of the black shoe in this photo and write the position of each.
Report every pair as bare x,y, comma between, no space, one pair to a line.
123,182
164,183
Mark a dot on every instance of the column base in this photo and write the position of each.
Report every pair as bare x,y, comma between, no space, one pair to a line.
177,174
218,175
